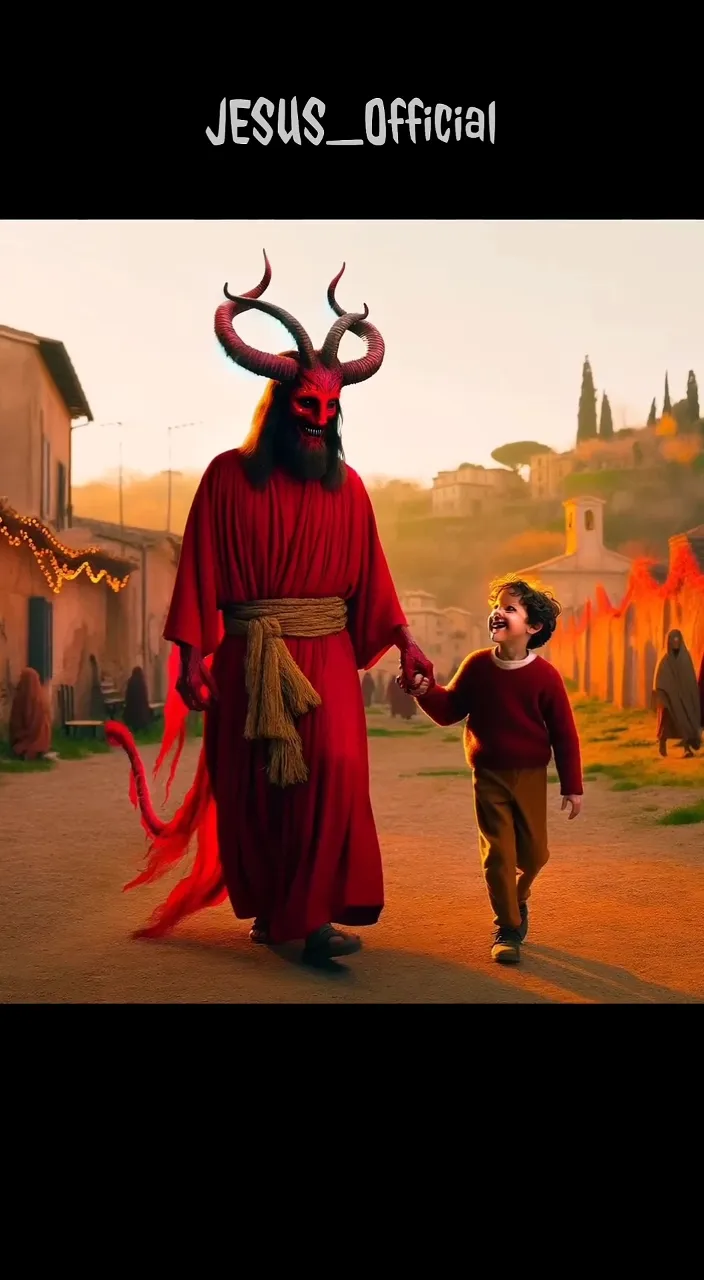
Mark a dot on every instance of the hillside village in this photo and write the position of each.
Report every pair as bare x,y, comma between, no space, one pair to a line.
648,482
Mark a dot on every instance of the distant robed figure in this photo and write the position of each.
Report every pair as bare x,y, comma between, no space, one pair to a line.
30,718
137,714
677,698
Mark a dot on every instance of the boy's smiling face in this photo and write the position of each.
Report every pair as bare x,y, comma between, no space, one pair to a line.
508,622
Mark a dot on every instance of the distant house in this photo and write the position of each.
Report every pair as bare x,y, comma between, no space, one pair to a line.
471,490
40,395
548,472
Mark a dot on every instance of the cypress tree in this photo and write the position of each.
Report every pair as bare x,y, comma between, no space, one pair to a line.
606,422
692,398
653,415
667,403
586,415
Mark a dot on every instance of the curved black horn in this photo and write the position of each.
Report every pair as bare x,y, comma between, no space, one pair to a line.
332,300
358,370
280,368
348,320
245,302
258,289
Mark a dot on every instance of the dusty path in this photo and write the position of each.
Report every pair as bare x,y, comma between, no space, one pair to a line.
615,919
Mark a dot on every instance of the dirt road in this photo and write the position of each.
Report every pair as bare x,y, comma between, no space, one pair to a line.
615,917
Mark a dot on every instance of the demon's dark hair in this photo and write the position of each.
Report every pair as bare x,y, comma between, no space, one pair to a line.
272,430
542,609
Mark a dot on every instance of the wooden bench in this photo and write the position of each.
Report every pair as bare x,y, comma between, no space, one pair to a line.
68,720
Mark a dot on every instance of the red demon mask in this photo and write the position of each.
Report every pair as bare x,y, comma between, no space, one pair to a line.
316,378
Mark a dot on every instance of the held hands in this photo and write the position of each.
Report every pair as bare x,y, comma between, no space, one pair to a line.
194,674
416,675
575,802
419,688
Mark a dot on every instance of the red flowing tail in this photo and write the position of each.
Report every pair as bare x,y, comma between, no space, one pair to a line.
170,840
118,735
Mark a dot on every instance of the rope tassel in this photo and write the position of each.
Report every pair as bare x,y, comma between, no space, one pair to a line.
278,691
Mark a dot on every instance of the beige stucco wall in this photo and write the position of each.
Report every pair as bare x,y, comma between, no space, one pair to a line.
30,405
18,405
161,575
55,424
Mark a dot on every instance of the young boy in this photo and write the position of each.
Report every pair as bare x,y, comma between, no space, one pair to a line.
517,710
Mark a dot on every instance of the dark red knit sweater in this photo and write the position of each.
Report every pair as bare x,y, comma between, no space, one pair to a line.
513,718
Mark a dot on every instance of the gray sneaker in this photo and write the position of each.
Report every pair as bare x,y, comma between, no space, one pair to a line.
507,946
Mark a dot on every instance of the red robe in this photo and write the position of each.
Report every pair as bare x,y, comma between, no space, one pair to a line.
305,855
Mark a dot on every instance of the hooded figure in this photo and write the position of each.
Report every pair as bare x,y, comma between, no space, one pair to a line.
137,714
30,719
677,697
401,703
368,688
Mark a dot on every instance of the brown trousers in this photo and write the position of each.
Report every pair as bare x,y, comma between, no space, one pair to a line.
511,811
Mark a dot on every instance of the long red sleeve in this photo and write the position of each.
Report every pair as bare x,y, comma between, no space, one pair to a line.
564,738
193,613
374,611
441,705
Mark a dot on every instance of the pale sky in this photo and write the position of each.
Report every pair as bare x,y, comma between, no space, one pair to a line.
486,327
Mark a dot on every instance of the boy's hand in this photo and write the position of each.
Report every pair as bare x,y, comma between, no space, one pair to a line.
418,689
575,802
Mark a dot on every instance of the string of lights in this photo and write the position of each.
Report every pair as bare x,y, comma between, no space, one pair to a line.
58,563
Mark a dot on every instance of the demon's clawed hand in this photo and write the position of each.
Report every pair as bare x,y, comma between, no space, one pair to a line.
193,677
416,674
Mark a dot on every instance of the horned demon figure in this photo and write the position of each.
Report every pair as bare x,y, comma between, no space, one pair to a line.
282,595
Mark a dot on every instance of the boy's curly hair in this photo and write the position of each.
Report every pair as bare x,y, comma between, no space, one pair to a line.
542,609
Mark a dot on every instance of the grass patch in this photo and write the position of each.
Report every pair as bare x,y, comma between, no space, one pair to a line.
451,737
683,816
9,764
443,773
620,745
82,748
72,747
399,729
378,731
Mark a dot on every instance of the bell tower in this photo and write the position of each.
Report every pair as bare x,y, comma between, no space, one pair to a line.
584,530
